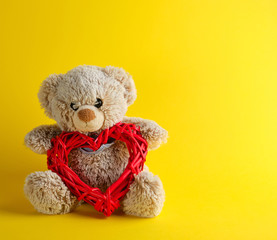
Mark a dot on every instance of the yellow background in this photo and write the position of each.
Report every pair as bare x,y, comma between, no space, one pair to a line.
204,70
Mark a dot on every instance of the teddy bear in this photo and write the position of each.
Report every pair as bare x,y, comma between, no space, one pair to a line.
89,99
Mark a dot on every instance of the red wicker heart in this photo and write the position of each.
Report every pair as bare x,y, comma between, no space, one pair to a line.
57,160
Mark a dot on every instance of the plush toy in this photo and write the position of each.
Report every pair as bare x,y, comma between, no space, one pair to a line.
90,100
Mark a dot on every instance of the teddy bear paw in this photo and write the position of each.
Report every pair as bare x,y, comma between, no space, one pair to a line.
48,194
145,197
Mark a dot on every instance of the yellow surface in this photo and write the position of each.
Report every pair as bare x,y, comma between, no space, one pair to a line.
205,70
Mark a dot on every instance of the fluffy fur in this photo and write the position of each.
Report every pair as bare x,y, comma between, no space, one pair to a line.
82,86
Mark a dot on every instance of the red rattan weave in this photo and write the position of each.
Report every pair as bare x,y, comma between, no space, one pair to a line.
57,160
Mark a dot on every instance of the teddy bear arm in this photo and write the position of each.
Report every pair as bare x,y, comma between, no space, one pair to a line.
154,134
39,139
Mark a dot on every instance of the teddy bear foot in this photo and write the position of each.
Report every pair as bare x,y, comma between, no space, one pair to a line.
145,197
48,194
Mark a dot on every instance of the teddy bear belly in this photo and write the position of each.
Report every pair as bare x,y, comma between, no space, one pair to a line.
100,169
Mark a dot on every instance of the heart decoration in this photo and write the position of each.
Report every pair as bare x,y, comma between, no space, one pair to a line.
57,161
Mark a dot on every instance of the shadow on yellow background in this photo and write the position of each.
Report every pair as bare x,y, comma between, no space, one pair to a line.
204,70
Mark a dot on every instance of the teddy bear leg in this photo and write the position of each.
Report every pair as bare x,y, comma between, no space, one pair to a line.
145,197
48,194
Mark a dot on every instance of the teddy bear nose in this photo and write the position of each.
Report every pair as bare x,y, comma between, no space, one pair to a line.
86,115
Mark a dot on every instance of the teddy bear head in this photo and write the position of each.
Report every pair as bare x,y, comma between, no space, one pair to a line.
87,98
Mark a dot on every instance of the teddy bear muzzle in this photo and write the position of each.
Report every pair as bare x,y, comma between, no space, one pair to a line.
88,119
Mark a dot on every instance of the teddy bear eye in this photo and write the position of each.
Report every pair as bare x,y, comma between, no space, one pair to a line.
98,103
74,107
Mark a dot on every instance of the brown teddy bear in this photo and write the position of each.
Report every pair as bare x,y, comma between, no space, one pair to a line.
90,99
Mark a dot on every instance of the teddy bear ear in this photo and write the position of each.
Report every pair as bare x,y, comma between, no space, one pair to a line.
47,91
125,79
